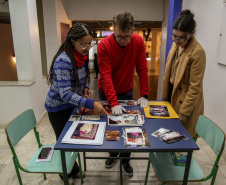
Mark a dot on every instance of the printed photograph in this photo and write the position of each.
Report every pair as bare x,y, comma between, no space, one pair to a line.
159,110
135,138
85,131
74,118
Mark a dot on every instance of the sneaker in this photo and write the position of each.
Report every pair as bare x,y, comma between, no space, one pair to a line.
109,163
128,170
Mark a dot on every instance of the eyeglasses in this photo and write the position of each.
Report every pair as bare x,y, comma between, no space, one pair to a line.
127,38
85,46
181,39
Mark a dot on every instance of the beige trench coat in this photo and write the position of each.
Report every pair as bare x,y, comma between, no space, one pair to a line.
187,95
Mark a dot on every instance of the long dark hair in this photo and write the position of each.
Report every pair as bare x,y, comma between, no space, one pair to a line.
185,22
77,31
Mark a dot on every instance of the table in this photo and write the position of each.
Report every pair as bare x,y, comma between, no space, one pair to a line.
150,125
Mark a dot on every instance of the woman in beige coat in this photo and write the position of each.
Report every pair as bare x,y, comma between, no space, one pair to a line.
184,71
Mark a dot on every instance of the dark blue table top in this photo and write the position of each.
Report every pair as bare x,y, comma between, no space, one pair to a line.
150,125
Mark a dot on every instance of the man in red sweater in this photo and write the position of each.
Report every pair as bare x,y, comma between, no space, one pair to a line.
118,55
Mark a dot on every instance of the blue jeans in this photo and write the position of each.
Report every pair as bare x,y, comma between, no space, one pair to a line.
126,96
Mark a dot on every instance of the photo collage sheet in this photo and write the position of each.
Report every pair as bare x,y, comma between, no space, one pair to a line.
163,110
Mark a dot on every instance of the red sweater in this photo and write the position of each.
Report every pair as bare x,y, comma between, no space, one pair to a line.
117,66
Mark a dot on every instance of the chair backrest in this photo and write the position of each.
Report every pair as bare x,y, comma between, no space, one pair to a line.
211,133
20,126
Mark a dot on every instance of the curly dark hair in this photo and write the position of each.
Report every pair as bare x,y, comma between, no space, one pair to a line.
77,31
185,22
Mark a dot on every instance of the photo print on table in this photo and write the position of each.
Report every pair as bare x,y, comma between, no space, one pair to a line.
156,110
75,118
112,135
85,131
126,120
90,117
169,136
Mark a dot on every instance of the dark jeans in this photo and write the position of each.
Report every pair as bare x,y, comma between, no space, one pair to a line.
126,96
58,120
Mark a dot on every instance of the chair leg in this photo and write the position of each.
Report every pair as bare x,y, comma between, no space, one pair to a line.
214,175
80,167
148,168
17,171
84,160
44,176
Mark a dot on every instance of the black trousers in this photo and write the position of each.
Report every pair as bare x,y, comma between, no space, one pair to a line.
58,120
125,96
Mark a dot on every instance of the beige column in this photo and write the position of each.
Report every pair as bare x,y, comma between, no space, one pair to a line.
153,48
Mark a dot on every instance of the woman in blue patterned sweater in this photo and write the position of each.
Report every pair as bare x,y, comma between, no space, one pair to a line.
68,76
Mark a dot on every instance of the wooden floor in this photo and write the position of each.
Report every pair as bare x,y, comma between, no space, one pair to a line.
152,83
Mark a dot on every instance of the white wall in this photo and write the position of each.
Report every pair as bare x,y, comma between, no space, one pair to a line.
31,89
20,29
145,10
208,15
4,8
162,51
54,14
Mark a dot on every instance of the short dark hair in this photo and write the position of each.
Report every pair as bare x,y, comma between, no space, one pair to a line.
124,21
185,22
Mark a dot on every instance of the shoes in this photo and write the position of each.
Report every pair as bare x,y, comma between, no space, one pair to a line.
128,170
109,163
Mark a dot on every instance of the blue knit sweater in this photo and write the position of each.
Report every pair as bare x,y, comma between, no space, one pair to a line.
64,92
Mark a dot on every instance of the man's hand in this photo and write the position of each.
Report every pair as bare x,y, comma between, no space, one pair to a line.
87,93
118,109
143,102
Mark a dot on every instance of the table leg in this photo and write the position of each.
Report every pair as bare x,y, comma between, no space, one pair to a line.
187,168
84,160
121,181
64,167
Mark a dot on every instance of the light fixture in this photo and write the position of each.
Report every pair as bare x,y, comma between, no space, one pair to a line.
14,58
111,28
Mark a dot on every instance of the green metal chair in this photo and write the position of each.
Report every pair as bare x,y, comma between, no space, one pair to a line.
17,129
167,172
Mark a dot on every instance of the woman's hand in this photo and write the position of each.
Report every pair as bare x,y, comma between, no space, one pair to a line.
182,117
87,93
98,108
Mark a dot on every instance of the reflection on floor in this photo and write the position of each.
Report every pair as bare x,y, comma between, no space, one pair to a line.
96,173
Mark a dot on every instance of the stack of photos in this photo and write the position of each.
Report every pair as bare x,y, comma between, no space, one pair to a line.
159,110
90,117
134,137
127,102
169,136
75,118
85,132
112,135
126,120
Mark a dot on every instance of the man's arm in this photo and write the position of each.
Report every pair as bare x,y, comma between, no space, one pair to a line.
106,74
